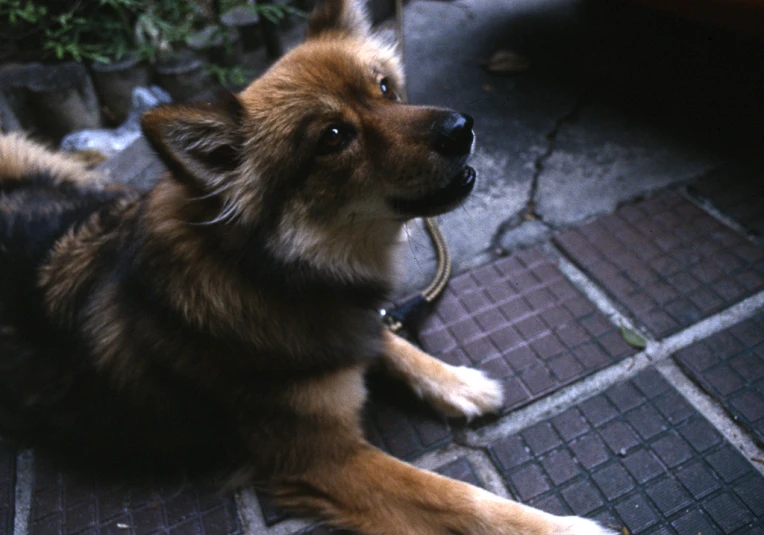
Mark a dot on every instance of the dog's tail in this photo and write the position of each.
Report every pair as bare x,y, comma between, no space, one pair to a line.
22,159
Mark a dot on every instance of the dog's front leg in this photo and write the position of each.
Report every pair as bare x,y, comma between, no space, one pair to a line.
375,494
453,391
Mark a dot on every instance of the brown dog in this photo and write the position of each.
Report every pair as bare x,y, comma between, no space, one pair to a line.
230,312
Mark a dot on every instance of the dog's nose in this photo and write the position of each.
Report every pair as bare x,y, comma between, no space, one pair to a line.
453,135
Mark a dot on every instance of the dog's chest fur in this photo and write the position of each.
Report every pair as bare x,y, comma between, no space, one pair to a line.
107,331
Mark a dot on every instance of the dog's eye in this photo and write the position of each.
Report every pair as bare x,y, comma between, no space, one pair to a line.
334,139
386,87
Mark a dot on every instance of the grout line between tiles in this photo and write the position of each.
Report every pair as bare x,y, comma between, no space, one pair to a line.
714,412
251,517
23,492
656,351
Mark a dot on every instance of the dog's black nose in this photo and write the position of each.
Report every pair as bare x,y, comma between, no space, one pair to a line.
453,135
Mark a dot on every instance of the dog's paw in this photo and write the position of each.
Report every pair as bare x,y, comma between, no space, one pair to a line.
461,392
575,525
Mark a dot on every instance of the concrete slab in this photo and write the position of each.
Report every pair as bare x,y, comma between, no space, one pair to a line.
617,102
603,158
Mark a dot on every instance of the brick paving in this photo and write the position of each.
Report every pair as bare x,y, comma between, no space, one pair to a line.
669,263
637,455
730,366
738,192
66,504
521,321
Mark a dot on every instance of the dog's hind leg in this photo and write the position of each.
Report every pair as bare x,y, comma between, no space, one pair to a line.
22,159
373,493
324,467
453,391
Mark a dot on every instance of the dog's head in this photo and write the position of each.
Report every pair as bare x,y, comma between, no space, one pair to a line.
322,140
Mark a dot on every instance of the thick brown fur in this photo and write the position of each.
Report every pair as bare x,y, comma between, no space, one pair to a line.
229,313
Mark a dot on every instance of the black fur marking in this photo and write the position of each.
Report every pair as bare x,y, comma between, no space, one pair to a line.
221,159
32,218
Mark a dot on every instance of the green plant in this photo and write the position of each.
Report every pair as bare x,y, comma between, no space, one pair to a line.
272,12
104,30
165,25
79,30
230,76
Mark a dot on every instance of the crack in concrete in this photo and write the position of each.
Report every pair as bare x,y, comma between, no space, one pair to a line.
528,212
538,164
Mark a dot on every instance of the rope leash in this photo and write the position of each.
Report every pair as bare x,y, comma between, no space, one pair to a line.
407,312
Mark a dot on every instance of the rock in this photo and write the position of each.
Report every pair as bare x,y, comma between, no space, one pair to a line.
51,100
110,141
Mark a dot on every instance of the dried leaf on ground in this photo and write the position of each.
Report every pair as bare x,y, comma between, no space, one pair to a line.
633,338
507,62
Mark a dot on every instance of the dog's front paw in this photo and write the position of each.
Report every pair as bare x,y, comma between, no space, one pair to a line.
461,392
575,525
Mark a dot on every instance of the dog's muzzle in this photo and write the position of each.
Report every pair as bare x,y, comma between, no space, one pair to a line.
452,135
441,200
452,138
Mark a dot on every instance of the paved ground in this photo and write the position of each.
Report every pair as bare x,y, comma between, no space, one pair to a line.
609,270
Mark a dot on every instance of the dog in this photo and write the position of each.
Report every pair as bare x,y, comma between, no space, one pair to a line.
231,311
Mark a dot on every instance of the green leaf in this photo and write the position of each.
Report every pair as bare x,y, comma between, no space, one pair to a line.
633,338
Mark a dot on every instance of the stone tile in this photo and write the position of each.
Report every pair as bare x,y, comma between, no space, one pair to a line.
529,481
67,503
730,366
637,513
696,265
541,438
613,481
737,191
625,458
510,452
399,423
669,496
727,511
570,424
521,309
582,497
462,470
671,449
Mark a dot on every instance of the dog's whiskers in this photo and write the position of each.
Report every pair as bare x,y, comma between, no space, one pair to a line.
226,215
213,193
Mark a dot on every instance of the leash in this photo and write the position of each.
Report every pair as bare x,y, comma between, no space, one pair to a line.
407,313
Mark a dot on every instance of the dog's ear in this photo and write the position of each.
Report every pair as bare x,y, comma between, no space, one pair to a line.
332,17
200,141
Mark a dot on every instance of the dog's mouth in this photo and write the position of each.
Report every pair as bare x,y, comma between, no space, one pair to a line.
441,200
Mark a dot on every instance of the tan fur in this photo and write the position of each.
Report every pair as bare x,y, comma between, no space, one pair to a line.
453,391
234,305
369,491
21,157
73,264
